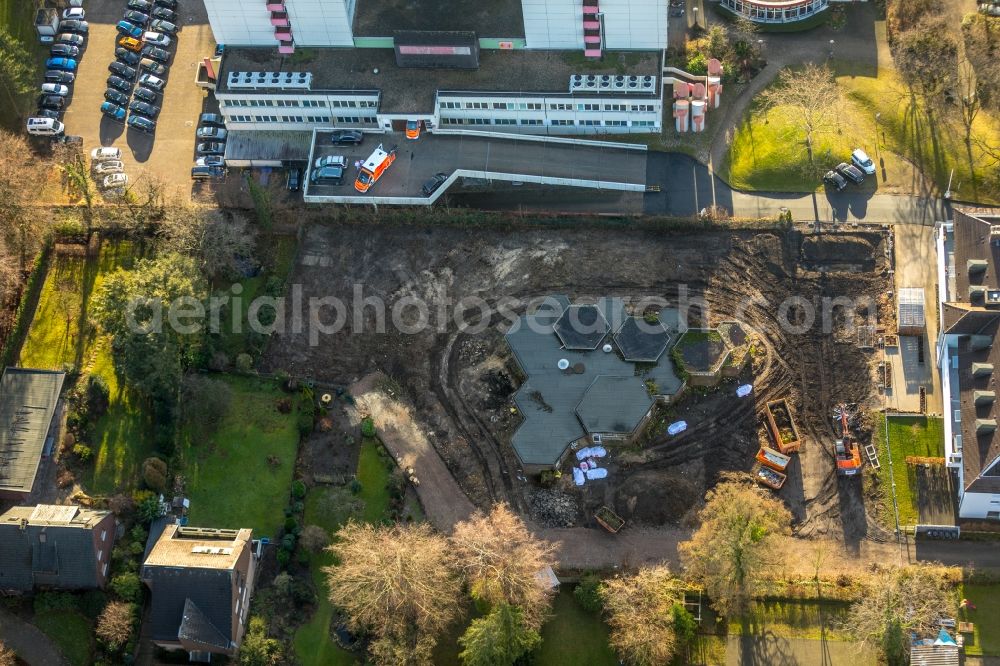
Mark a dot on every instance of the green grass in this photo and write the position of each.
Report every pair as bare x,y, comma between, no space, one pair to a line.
71,632
373,473
986,639
573,635
18,18
230,481
908,436
794,618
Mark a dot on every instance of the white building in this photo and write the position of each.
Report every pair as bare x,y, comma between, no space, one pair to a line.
968,257
268,22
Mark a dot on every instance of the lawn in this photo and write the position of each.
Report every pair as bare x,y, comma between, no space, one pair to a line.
573,635
71,632
61,333
240,475
794,618
919,436
986,617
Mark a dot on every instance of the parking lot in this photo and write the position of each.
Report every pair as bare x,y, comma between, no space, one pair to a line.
169,153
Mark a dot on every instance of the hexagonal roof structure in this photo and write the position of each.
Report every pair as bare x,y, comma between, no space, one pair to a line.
613,405
581,327
641,341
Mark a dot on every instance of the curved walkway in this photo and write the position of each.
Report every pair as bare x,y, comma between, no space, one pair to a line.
29,642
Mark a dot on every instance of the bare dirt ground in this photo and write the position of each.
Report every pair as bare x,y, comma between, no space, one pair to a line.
454,387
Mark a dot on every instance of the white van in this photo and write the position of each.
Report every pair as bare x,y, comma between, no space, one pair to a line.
45,126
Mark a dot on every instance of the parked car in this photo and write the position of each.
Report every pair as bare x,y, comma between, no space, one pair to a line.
136,17
70,139
44,126
153,67
70,39
159,25
860,159
156,53
834,180
130,43
130,29
210,160
330,175
64,51
208,172
155,38
151,81
169,4
48,113
851,173
61,63
211,148
105,167
119,83
116,97
122,70
128,57
55,89
146,95
433,183
211,119
144,109
142,123
345,137
74,13
294,179
114,180
51,102
216,133
74,26
56,76
113,111
140,5
105,153
163,13
331,160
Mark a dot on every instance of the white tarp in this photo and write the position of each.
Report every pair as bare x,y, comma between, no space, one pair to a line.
678,427
744,391
591,452
578,477
598,473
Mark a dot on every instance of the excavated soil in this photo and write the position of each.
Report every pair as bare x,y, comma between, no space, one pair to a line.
460,383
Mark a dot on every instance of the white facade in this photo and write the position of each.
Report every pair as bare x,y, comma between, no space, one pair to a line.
627,24
312,22
285,110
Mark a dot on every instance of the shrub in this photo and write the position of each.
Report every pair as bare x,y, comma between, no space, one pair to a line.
55,601
288,542
244,363
204,402
92,602
147,506
356,486
367,427
587,593
154,473
128,587
291,524
285,405
298,490
284,557
314,538
83,452
97,396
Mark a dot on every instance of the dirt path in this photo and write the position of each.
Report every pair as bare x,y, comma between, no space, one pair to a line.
29,642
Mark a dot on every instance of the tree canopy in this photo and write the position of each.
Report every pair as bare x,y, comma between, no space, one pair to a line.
641,610
498,639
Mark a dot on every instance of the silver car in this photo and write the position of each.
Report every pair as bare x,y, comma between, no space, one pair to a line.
109,167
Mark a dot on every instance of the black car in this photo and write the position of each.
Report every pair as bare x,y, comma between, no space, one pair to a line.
164,14
75,26
294,182
48,113
851,173
144,109
71,39
119,83
136,17
211,120
145,95
207,172
346,137
116,96
122,70
156,53
126,56
140,5
328,175
64,51
170,4
835,180
431,185
141,123
55,76
51,102
211,148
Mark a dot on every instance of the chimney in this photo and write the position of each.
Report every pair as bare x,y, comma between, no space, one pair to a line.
985,426
977,265
977,293
984,397
982,369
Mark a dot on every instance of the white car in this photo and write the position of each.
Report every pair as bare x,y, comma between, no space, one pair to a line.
75,13
860,159
115,180
55,89
108,167
105,153
156,39
152,82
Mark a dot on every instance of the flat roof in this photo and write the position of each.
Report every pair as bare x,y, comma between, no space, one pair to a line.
409,90
381,18
28,400
268,145
581,327
614,404
641,341
198,548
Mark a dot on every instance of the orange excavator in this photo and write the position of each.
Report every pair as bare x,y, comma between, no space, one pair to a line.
846,448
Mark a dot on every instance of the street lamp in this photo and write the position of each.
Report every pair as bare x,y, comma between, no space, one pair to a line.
695,10
832,44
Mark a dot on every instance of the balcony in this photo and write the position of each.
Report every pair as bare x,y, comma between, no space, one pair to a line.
283,34
286,49
279,19
276,6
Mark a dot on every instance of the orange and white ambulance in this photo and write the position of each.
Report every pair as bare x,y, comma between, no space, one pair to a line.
373,168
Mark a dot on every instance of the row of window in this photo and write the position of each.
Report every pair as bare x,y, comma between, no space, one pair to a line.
309,103
552,123
537,106
344,120
762,12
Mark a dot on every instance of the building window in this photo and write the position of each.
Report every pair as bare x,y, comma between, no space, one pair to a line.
562,123
105,568
531,121
504,121
591,123
614,107
104,535
643,123
453,121
348,119
588,107
100,555
480,121
560,107
476,105
616,123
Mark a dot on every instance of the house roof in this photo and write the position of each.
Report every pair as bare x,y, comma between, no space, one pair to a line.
28,400
52,546
613,405
641,341
581,327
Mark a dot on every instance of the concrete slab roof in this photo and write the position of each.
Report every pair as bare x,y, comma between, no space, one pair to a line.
28,400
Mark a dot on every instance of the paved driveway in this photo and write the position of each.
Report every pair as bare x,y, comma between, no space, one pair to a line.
168,154
30,644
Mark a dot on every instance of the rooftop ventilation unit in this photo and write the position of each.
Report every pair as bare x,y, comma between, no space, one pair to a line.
993,296
608,83
995,230
299,80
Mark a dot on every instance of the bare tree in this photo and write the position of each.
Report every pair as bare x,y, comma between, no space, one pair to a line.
7,656
216,240
641,609
899,602
314,538
114,626
811,97
741,528
927,58
398,584
981,40
501,561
